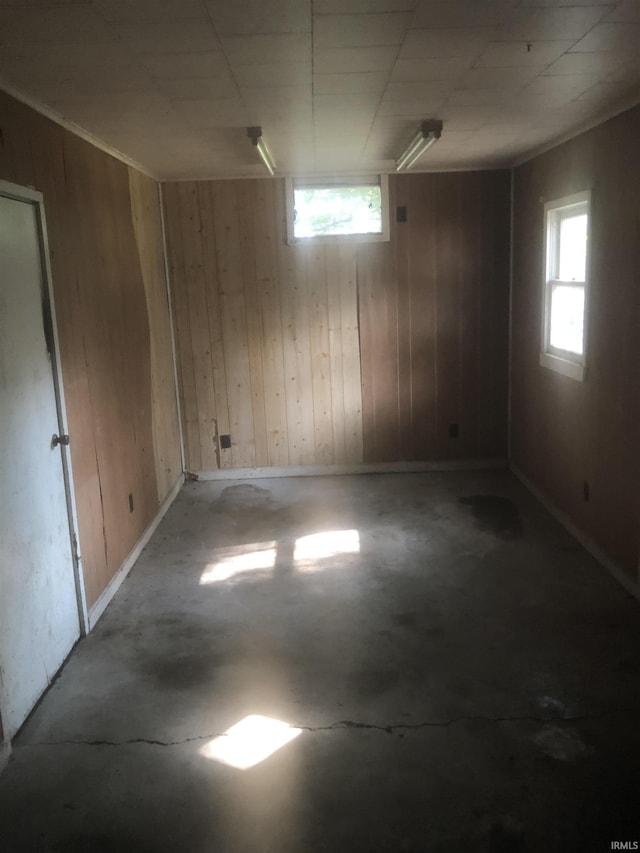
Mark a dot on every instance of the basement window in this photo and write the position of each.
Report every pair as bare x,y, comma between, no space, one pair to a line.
341,209
565,286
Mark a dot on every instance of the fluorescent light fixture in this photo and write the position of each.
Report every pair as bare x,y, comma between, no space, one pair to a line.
430,132
255,135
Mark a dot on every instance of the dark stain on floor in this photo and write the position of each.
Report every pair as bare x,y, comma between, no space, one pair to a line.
181,672
496,515
405,620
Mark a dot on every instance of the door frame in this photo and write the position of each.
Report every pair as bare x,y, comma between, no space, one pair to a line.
31,196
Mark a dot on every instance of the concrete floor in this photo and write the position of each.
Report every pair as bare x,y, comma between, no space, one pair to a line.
460,676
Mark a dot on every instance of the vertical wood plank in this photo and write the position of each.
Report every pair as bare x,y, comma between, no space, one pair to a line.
198,323
255,345
148,235
234,323
336,352
186,384
212,285
266,216
422,212
351,366
401,236
447,256
320,363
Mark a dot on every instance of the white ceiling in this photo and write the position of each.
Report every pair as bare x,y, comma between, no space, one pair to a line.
337,85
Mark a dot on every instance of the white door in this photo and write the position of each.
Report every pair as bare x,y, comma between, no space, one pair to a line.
39,615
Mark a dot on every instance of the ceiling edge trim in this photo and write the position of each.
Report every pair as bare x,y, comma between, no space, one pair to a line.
622,107
56,118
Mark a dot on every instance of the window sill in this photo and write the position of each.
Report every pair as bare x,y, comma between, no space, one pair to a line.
572,369
339,238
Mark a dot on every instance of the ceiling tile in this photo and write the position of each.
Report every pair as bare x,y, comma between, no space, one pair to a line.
536,54
604,96
497,78
258,50
276,111
178,66
531,24
150,10
227,112
337,7
622,37
199,88
420,108
273,74
345,102
465,118
628,10
360,30
626,73
450,68
331,84
586,63
354,60
567,2
277,97
254,17
48,23
477,97
348,125
168,36
430,90
422,44
573,84
461,13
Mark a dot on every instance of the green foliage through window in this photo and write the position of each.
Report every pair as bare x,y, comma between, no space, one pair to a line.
337,210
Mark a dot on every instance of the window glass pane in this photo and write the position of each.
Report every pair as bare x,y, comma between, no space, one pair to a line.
337,210
567,318
573,248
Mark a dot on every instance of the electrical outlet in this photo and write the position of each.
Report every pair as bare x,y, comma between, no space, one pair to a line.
130,501
225,442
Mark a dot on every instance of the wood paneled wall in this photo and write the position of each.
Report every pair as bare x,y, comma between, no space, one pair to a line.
566,432
267,334
304,353
434,306
106,257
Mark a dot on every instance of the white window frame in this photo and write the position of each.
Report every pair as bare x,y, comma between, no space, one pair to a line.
562,361
292,184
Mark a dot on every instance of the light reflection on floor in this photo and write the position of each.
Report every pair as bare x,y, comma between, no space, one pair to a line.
250,741
308,553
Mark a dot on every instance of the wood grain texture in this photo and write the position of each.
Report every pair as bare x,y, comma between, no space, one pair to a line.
565,432
282,331
112,317
434,320
147,226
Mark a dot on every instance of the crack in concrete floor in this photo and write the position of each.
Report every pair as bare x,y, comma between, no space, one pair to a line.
354,724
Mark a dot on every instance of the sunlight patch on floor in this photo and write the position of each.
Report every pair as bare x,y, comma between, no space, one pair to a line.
238,560
320,546
250,741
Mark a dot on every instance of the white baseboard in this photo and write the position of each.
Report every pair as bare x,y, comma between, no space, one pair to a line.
586,541
357,468
114,585
5,754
